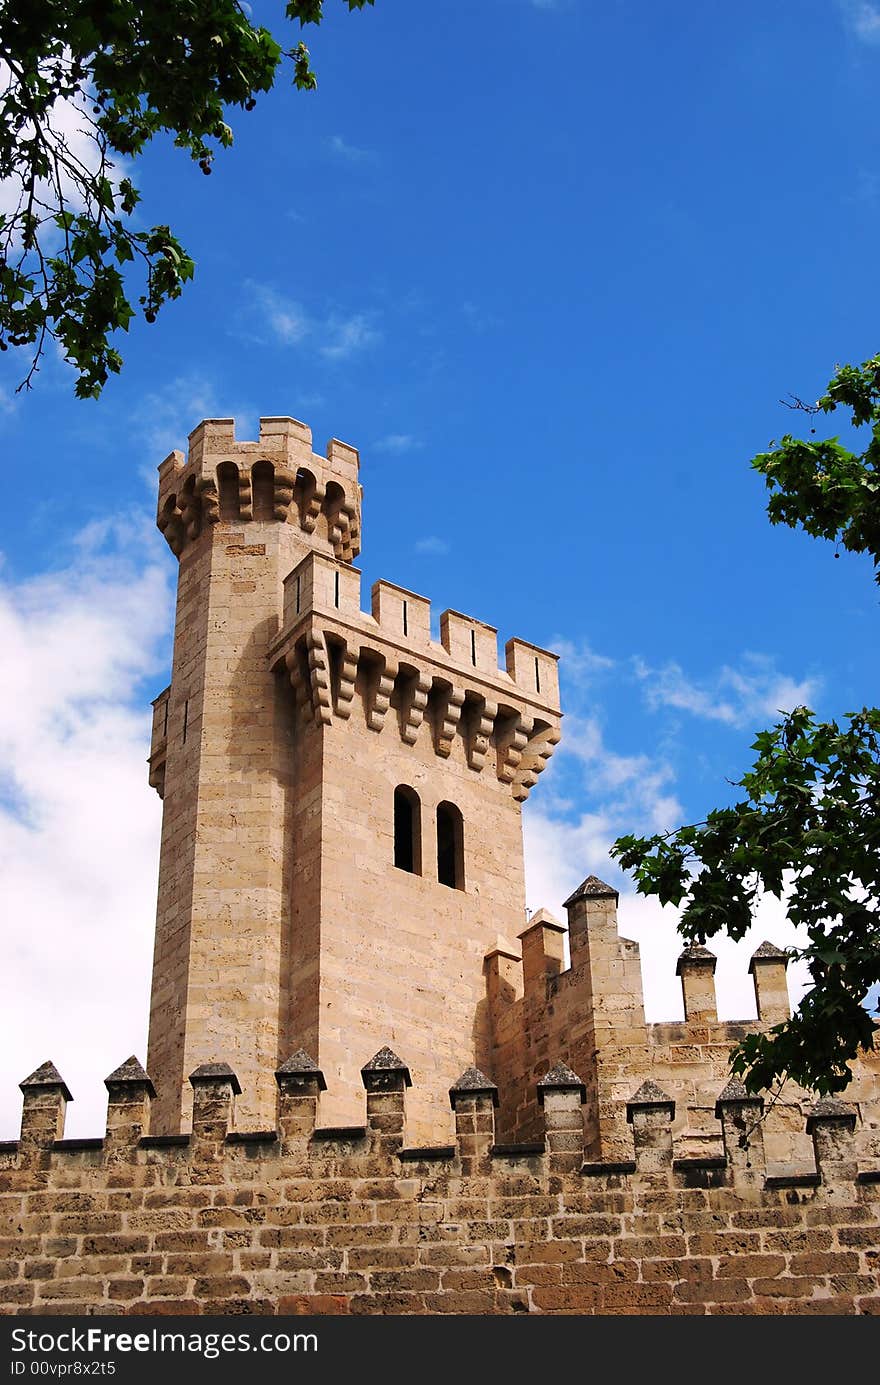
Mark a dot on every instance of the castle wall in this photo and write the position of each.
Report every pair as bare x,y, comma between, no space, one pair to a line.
401,953
591,1016
606,1172
301,1220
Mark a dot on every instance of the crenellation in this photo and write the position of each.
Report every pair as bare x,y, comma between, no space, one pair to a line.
768,967
276,479
349,1211
469,642
341,864
592,1014
324,595
696,967
297,437
533,669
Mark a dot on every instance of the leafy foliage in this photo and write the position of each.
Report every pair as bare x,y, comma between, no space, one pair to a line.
807,828
84,86
821,486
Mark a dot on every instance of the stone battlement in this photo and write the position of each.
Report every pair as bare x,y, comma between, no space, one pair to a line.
332,649
277,478
304,1219
591,1015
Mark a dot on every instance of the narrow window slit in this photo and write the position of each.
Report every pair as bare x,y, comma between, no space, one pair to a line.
185,719
537,675
407,830
336,589
450,846
405,629
474,648
297,593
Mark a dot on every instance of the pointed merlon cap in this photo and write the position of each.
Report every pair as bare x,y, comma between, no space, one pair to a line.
648,1095
46,1075
543,919
695,956
215,1072
560,1079
301,1064
473,1083
130,1074
829,1111
736,1094
385,1061
592,888
768,952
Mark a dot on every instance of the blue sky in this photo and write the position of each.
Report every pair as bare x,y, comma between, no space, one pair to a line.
551,267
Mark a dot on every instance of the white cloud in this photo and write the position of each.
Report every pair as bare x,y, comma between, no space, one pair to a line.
862,19
347,335
337,335
79,830
560,853
69,124
736,697
580,663
287,321
431,544
352,153
628,788
397,443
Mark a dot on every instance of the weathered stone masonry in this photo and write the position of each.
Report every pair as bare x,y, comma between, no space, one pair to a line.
341,871
305,1220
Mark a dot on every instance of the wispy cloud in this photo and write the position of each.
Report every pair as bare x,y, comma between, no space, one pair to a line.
337,336
580,663
352,153
431,544
397,443
862,19
478,318
736,697
867,187
288,321
347,335
166,415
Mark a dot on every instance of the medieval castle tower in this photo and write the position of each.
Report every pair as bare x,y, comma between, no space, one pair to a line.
342,839
341,922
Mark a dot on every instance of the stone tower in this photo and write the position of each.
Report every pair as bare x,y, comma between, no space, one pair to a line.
341,838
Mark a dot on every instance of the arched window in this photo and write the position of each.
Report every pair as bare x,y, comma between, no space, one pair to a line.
450,846
227,485
263,483
407,830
